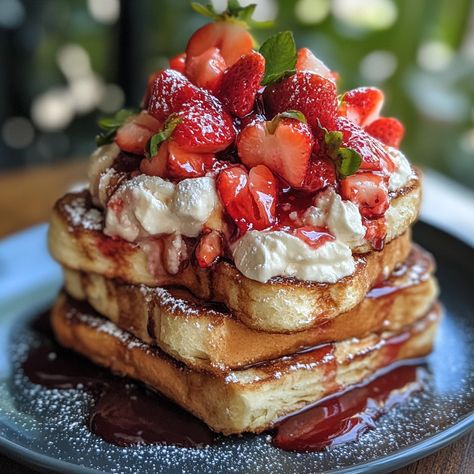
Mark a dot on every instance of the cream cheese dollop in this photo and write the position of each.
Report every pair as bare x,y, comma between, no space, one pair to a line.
342,218
148,205
261,255
99,170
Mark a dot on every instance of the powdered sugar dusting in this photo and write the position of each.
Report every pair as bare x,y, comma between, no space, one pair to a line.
80,214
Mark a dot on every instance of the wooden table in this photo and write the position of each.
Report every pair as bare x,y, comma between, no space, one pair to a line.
26,198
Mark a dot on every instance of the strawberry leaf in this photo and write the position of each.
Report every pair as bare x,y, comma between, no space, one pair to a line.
157,139
280,56
110,125
348,163
294,114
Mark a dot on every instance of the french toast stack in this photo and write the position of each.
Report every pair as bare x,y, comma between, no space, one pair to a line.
245,287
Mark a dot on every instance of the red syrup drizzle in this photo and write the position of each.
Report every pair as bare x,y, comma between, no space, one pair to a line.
125,413
344,417
122,412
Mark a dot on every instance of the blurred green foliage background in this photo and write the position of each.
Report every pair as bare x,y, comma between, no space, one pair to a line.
64,63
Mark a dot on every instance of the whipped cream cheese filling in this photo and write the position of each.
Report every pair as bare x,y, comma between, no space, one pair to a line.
403,173
148,205
100,169
261,255
342,218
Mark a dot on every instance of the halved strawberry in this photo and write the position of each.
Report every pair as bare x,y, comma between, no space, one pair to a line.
170,90
248,198
207,69
368,191
321,173
241,83
388,130
134,134
376,231
308,62
183,164
156,165
209,249
374,155
204,127
315,237
231,38
362,105
285,147
313,95
178,62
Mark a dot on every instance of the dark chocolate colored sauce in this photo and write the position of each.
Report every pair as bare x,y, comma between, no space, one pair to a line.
343,418
122,412
125,413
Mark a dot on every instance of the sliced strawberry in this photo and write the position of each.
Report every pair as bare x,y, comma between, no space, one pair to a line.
315,237
321,174
178,62
204,127
241,83
170,91
209,249
183,164
249,199
374,155
311,94
368,191
362,105
285,149
308,62
231,38
207,69
135,133
388,130
158,164
376,232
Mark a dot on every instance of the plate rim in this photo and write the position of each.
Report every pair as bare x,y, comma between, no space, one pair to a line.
381,464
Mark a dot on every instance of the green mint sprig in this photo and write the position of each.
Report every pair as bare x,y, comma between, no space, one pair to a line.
157,139
110,125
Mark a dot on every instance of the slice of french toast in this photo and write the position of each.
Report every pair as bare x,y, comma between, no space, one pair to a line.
208,337
76,241
247,400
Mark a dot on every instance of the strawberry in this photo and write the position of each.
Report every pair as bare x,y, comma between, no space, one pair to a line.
362,105
249,198
368,191
311,94
231,38
149,86
373,153
182,164
134,134
207,69
308,62
209,249
156,165
321,173
241,83
204,127
376,232
284,145
178,62
170,90
315,237
388,130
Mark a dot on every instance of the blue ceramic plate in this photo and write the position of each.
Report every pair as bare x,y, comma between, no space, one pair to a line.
45,428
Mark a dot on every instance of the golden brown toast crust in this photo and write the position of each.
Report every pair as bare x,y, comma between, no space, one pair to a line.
76,240
208,338
244,400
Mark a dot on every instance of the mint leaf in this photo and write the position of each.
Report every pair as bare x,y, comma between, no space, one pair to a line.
110,125
348,163
280,56
157,139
